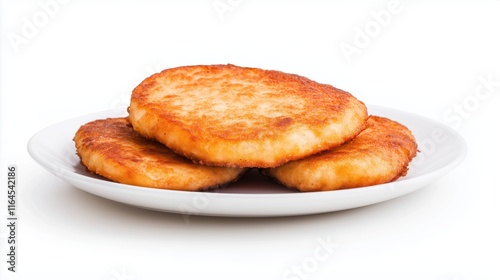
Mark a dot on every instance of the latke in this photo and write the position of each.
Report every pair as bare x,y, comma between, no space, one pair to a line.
225,115
379,154
112,149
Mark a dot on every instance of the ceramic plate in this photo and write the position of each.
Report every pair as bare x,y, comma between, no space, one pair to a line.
441,150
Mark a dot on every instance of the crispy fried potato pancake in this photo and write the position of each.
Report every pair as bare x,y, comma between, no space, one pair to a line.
112,149
225,115
379,154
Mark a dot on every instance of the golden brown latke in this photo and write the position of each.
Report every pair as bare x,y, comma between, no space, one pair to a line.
379,154
225,115
112,149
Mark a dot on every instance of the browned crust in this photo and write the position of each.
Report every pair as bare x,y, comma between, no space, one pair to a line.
226,115
379,154
112,149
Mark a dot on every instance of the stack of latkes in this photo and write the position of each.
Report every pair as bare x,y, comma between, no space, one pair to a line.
200,127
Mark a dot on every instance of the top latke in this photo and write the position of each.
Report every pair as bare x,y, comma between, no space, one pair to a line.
232,116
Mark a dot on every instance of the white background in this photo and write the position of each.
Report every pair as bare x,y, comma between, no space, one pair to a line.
62,60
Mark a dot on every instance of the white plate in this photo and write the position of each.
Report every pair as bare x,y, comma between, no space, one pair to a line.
253,195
